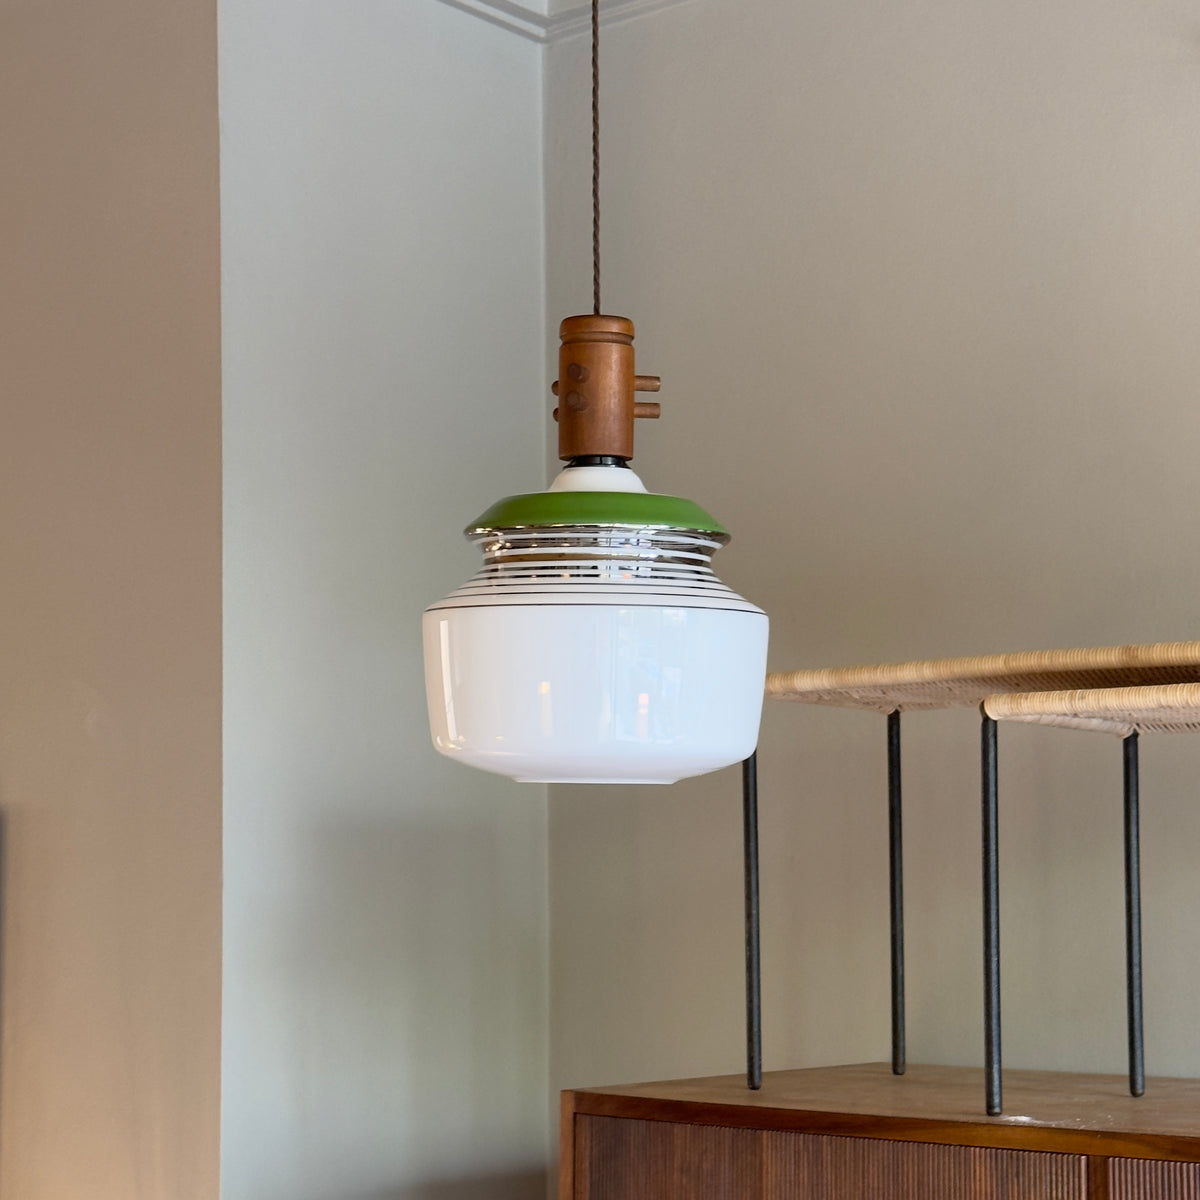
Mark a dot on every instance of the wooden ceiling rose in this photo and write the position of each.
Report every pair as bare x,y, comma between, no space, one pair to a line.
596,387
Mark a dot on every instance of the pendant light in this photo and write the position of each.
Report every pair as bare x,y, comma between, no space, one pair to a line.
596,644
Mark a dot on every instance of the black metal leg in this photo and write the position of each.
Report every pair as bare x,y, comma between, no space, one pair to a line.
1133,920
991,918
896,879
753,967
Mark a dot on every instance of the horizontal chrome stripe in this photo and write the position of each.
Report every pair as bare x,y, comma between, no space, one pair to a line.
597,590
582,543
728,603
593,567
594,578
604,566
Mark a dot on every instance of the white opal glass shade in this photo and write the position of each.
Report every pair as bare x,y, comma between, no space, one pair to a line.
595,654
588,693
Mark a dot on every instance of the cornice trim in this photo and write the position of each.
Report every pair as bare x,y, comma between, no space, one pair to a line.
516,18
527,21
612,12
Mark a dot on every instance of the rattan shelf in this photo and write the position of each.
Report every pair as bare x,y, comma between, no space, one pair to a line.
1120,690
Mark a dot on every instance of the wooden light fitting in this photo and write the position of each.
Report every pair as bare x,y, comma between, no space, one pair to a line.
596,386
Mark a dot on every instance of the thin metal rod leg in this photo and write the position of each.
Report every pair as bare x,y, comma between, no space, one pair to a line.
991,917
1133,920
896,882
753,965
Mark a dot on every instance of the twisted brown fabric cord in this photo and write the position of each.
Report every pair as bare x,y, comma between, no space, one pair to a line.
595,156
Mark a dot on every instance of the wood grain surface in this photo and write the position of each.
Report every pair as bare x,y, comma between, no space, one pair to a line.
1045,1111
656,1160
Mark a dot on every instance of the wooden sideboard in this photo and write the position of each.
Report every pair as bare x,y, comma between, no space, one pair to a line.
860,1132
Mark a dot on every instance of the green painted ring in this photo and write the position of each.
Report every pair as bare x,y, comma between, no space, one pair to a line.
645,510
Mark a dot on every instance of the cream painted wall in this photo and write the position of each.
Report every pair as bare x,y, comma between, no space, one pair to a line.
922,287
385,974
921,282
110,652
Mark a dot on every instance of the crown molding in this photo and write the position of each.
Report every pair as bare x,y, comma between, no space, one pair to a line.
522,19
531,19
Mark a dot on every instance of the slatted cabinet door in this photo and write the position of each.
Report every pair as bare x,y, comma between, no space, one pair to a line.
859,1132
626,1159
1139,1178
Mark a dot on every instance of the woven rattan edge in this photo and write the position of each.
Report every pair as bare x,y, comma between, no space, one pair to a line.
1171,708
965,682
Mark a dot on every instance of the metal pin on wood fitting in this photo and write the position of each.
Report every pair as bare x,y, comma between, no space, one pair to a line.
597,414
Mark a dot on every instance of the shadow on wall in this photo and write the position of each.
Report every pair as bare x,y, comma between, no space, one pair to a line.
390,1039
527,1186
3,920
